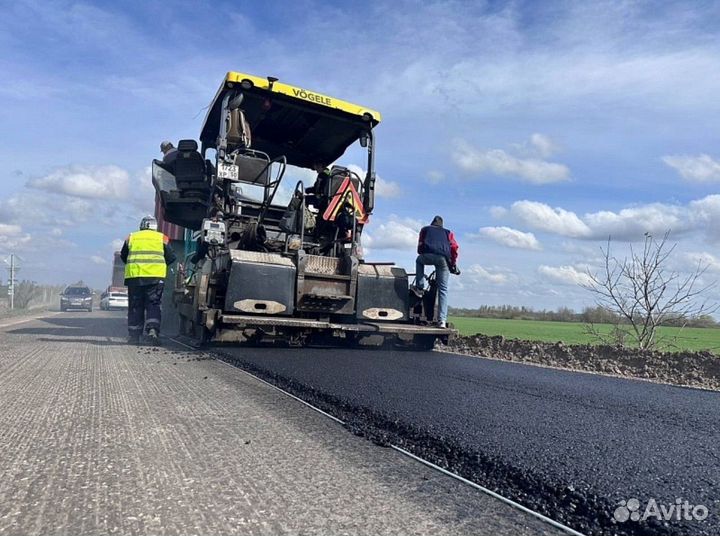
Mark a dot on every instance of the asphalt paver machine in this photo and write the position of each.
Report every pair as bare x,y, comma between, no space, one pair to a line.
290,272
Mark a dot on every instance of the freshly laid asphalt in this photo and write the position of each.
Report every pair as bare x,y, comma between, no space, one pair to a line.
97,437
571,445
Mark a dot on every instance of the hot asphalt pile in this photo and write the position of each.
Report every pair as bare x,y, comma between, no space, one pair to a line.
697,369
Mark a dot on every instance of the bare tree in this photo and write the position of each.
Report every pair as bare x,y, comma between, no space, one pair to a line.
25,292
617,335
645,293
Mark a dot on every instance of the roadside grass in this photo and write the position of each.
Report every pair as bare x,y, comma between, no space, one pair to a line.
572,332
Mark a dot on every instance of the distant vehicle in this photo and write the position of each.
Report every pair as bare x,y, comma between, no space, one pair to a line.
76,297
114,300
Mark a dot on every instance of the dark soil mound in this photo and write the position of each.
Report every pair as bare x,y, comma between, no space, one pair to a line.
697,369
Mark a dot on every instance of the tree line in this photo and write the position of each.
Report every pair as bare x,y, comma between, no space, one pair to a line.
589,315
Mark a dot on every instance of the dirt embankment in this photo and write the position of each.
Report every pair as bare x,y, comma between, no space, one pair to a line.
697,369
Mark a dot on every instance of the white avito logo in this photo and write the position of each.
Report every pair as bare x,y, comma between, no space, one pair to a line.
678,511
627,510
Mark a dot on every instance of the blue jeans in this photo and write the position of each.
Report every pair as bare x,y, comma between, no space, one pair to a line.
442,275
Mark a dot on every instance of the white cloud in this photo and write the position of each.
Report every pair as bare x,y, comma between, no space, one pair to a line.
626,224
703,259
566,275
543,217
141,201
97,259
28,208
538,146
701,168
9,230
13,238
60,210
11,244
117,244
629,223
477,274
499,162
706,209
543,145
397,233
93,182
704,214
383,188
143,191
510,237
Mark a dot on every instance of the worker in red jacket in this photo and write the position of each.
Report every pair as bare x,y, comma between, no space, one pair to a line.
436,247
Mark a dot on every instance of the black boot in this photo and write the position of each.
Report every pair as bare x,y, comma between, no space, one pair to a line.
153,337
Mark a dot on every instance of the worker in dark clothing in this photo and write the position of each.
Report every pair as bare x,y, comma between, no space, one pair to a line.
169,155
146,254
345,221
317,194
436,247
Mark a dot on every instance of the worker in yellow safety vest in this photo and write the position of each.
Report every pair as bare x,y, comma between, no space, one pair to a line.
146,254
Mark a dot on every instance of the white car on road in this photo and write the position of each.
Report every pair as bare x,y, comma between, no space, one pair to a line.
114,300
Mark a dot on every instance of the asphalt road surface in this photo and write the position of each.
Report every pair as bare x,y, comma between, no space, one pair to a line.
570,445
97,437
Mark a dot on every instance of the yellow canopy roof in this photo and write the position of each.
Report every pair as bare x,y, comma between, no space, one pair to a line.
306,126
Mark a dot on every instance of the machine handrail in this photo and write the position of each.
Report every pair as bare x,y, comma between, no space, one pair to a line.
282,160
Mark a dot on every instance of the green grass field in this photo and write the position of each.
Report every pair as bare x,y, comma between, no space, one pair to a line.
572,332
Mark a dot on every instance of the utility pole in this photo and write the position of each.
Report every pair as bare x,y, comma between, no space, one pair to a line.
12,268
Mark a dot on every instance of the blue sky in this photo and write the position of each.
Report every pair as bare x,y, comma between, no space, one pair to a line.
536,129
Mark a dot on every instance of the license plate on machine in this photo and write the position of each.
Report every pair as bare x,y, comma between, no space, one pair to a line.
227,171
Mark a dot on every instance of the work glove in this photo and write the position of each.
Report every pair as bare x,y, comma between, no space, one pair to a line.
454,269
